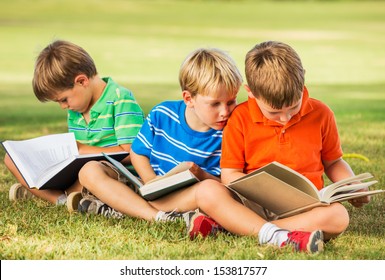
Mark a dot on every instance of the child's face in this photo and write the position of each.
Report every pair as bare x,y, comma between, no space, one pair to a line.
75,99
209,111
283,115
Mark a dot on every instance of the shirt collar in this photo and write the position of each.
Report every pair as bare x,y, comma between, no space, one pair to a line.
100,104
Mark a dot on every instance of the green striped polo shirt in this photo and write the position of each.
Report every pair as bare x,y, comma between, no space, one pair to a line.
115,118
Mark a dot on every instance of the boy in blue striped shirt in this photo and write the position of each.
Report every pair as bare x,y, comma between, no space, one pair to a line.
188,130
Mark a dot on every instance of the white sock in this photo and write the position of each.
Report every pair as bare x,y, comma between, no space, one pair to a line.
159,215
271,234
62,199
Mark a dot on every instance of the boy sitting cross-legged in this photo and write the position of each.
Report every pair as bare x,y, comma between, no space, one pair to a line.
188,130
278,122
103,115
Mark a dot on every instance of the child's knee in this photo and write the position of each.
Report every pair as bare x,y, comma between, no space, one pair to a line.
209,191
87,172
339,216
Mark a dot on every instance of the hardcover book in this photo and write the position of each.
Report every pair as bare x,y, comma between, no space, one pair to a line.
51,161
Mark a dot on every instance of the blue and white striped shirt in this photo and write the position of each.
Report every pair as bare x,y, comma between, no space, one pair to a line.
167,140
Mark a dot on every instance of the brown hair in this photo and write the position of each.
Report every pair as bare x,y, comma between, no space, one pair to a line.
57,66
275,74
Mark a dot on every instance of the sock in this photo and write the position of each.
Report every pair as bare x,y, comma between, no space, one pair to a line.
271,234
159,215
62,199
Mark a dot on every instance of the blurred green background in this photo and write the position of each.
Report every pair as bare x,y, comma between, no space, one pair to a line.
145,41
141,44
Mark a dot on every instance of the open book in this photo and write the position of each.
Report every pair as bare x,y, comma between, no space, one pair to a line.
286,192
51,161
178,177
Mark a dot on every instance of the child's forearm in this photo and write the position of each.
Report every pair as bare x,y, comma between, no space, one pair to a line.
88,149
337,170
142,167
229,174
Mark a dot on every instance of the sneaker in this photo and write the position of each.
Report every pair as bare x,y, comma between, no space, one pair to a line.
174,216
203,225
306,241
95,206
18,192
73,200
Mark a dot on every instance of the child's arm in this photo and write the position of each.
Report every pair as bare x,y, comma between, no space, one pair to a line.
87,149
339,169
142,167
230,174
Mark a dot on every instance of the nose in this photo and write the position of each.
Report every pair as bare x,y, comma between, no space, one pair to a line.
225,111
63,105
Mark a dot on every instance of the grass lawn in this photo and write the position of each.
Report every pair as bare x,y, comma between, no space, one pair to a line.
141,45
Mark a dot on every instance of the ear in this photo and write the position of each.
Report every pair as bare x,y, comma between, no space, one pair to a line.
81,80
249,93
188,99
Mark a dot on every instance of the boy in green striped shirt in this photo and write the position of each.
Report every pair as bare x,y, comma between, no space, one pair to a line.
104,116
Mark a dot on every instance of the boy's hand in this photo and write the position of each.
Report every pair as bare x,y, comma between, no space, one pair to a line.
196,170
360,201
199,172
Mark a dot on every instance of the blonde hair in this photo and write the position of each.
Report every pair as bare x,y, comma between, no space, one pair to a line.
205,70
275,74
57,66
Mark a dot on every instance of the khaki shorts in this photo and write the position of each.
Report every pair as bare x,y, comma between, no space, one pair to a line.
258,209
120,177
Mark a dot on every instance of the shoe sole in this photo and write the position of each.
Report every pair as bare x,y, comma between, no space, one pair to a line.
316,243
13,193
73,200
193,230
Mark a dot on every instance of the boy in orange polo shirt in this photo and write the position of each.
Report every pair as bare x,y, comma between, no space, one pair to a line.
278,122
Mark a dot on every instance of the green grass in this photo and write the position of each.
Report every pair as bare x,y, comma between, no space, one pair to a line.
141,45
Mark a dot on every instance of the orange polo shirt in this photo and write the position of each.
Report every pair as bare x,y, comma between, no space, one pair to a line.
251,141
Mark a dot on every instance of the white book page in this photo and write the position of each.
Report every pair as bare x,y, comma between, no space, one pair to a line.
181,167
352,195
327,196
328,191
34,156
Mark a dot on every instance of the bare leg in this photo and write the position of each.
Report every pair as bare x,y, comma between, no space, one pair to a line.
332,220
102,182
48,195
216,200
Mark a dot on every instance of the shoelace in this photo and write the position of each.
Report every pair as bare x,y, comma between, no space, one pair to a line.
171,216
110,212
295,238
296,234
